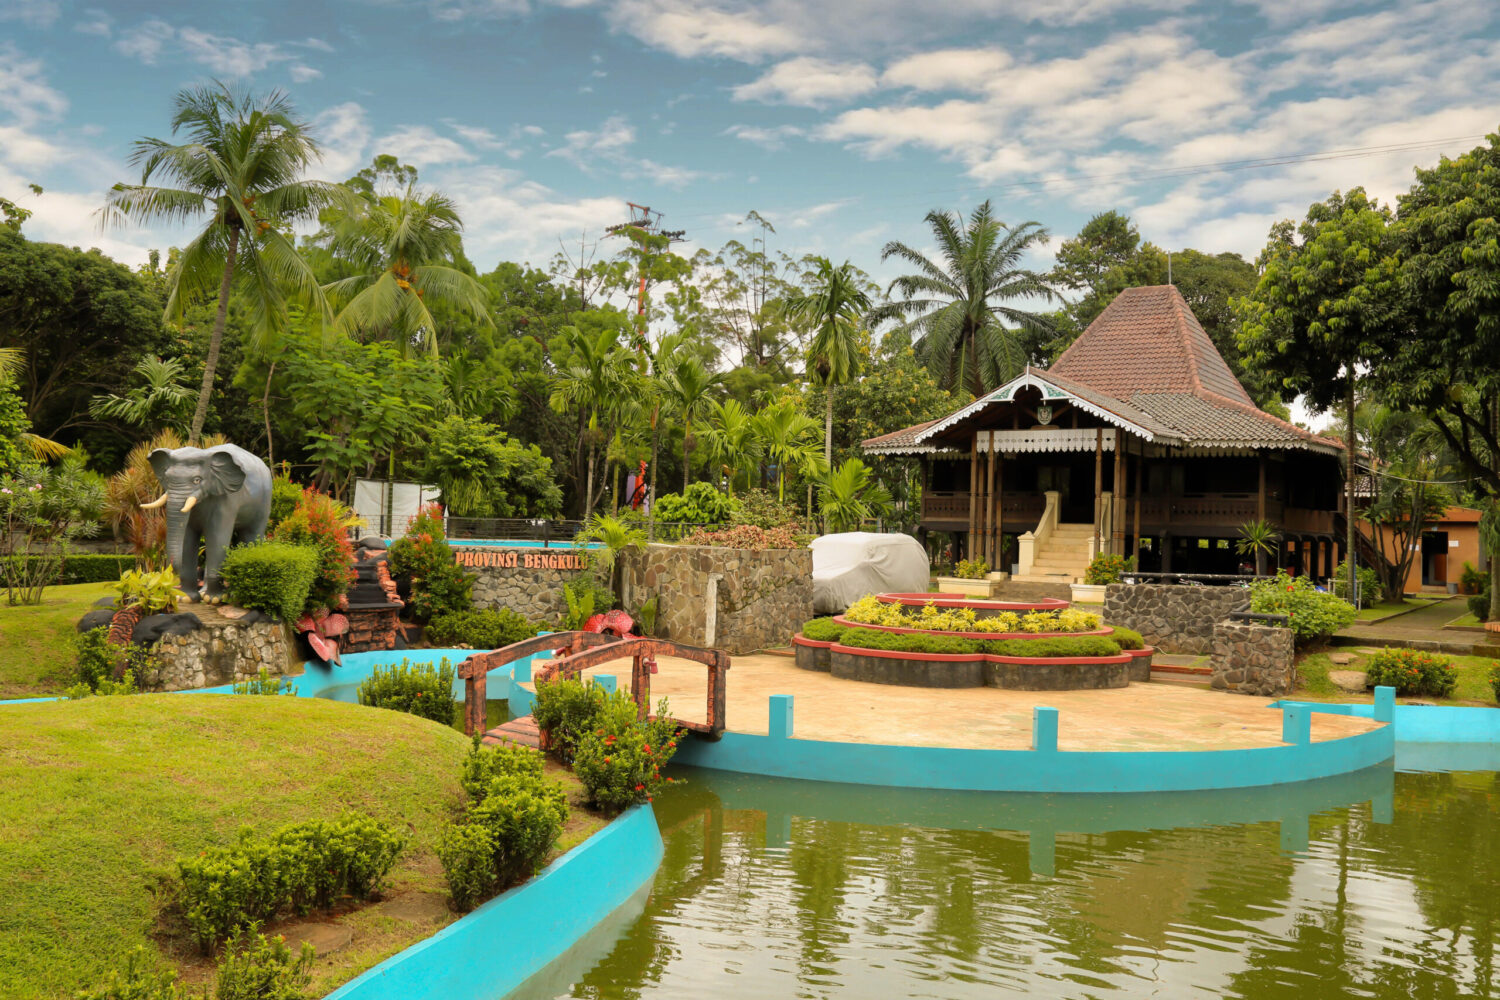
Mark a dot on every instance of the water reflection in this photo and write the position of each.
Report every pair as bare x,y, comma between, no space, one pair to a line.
1371,885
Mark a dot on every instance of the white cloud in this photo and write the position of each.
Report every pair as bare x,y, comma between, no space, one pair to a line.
303,74
771,138
690,29
28,96
343,133
586,148
36,13
145,41
507,217
971,70
223,55
95,22
809,81
420,146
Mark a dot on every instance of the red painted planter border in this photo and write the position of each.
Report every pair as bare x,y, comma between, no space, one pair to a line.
894,654
1106,630
914,600
801,640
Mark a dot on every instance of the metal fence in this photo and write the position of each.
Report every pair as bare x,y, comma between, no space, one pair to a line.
546,532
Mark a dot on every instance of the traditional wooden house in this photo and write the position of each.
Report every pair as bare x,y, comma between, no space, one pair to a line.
1138,440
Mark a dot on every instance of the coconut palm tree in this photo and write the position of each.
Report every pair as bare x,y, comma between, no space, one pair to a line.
789,437
688,386
161,402
835,307
241,166
956,310
729,438
850,496
594,383
404,248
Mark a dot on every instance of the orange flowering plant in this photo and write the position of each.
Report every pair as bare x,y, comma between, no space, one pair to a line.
620,765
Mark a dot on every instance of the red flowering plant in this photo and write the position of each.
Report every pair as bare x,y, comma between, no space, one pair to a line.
439,586
1411,671
621,764
322,524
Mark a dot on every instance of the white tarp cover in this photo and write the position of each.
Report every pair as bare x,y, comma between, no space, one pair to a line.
389,505
848,566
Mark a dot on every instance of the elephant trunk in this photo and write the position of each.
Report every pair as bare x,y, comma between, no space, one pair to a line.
179,505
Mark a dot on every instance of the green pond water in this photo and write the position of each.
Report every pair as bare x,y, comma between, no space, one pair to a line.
1379,884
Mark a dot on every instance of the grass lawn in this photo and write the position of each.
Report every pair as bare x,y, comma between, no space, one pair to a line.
1467,620
36,640
99,797
1383,609
1313,683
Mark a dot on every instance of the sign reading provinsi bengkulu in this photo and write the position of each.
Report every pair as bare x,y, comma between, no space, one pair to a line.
523,558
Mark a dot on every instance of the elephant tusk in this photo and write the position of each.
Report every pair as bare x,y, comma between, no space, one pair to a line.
192,502
156,504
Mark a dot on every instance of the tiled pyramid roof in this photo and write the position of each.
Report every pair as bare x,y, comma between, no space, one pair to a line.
1146,363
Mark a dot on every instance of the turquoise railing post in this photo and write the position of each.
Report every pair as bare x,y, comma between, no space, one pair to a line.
1385,704
521,673
1043,728
1296,724
606,681
781,717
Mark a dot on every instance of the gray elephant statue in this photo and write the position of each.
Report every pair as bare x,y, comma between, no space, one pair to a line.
216,497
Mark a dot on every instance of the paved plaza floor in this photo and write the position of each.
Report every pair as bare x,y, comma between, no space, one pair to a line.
1153,716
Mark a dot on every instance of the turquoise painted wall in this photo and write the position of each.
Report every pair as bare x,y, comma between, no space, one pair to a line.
495,949
1426,723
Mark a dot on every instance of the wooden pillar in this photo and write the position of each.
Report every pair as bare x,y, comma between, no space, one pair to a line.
1260,495
1122,486
1140,461
1000,514
1098,484
974,494
1328,560
990,555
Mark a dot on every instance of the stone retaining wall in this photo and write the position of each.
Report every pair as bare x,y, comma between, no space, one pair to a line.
528,581
1254,659
1175,618
763,595
223,651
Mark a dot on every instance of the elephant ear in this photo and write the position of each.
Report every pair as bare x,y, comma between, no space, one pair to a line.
161,460
224,473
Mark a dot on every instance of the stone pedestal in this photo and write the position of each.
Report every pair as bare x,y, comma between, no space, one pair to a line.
1254,659
1175,618
226,650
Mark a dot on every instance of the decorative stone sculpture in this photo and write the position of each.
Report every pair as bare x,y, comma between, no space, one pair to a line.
216,497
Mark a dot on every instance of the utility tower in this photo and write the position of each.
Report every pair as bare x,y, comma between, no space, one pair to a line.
644,222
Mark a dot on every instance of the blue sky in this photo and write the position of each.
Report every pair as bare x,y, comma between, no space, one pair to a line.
841,122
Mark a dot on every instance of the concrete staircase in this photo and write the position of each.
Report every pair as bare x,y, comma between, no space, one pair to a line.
1063,557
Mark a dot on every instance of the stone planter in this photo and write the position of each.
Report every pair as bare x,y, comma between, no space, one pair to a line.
934,670
1036,673
1140,664
1088,593
811,654
959,585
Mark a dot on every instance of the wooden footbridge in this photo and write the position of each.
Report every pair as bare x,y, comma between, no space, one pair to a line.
580,651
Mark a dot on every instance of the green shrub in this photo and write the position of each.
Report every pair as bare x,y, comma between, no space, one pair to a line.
567,709
420,689
869,638
79,568
264,683
467,853
96,664
255,967
645,615
485,763
304,866
586,596
439,586
1472,580
1312,613
1479,605
319,523
480,629
1494,678
1370,589
971,569
762,509
140,981
1127,638
285,496
700,503
523,816
1412,672
620,765
1105,569
822,630
1066,646
274,577
153,591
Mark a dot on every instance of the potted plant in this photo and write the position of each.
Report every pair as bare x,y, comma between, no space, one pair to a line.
971,578
1102,570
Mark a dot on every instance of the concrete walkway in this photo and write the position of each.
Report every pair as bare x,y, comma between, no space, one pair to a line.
1154,716
1421,629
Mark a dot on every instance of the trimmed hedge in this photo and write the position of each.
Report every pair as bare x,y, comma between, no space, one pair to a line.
89,568
1411,671
480,629
421,689
274,577
823,630
1067,646
1127,638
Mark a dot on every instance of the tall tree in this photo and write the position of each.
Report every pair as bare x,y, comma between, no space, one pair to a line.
595,383
406,251
957,311
787,436
1325,305
835,308
241,165
689,387
730,439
